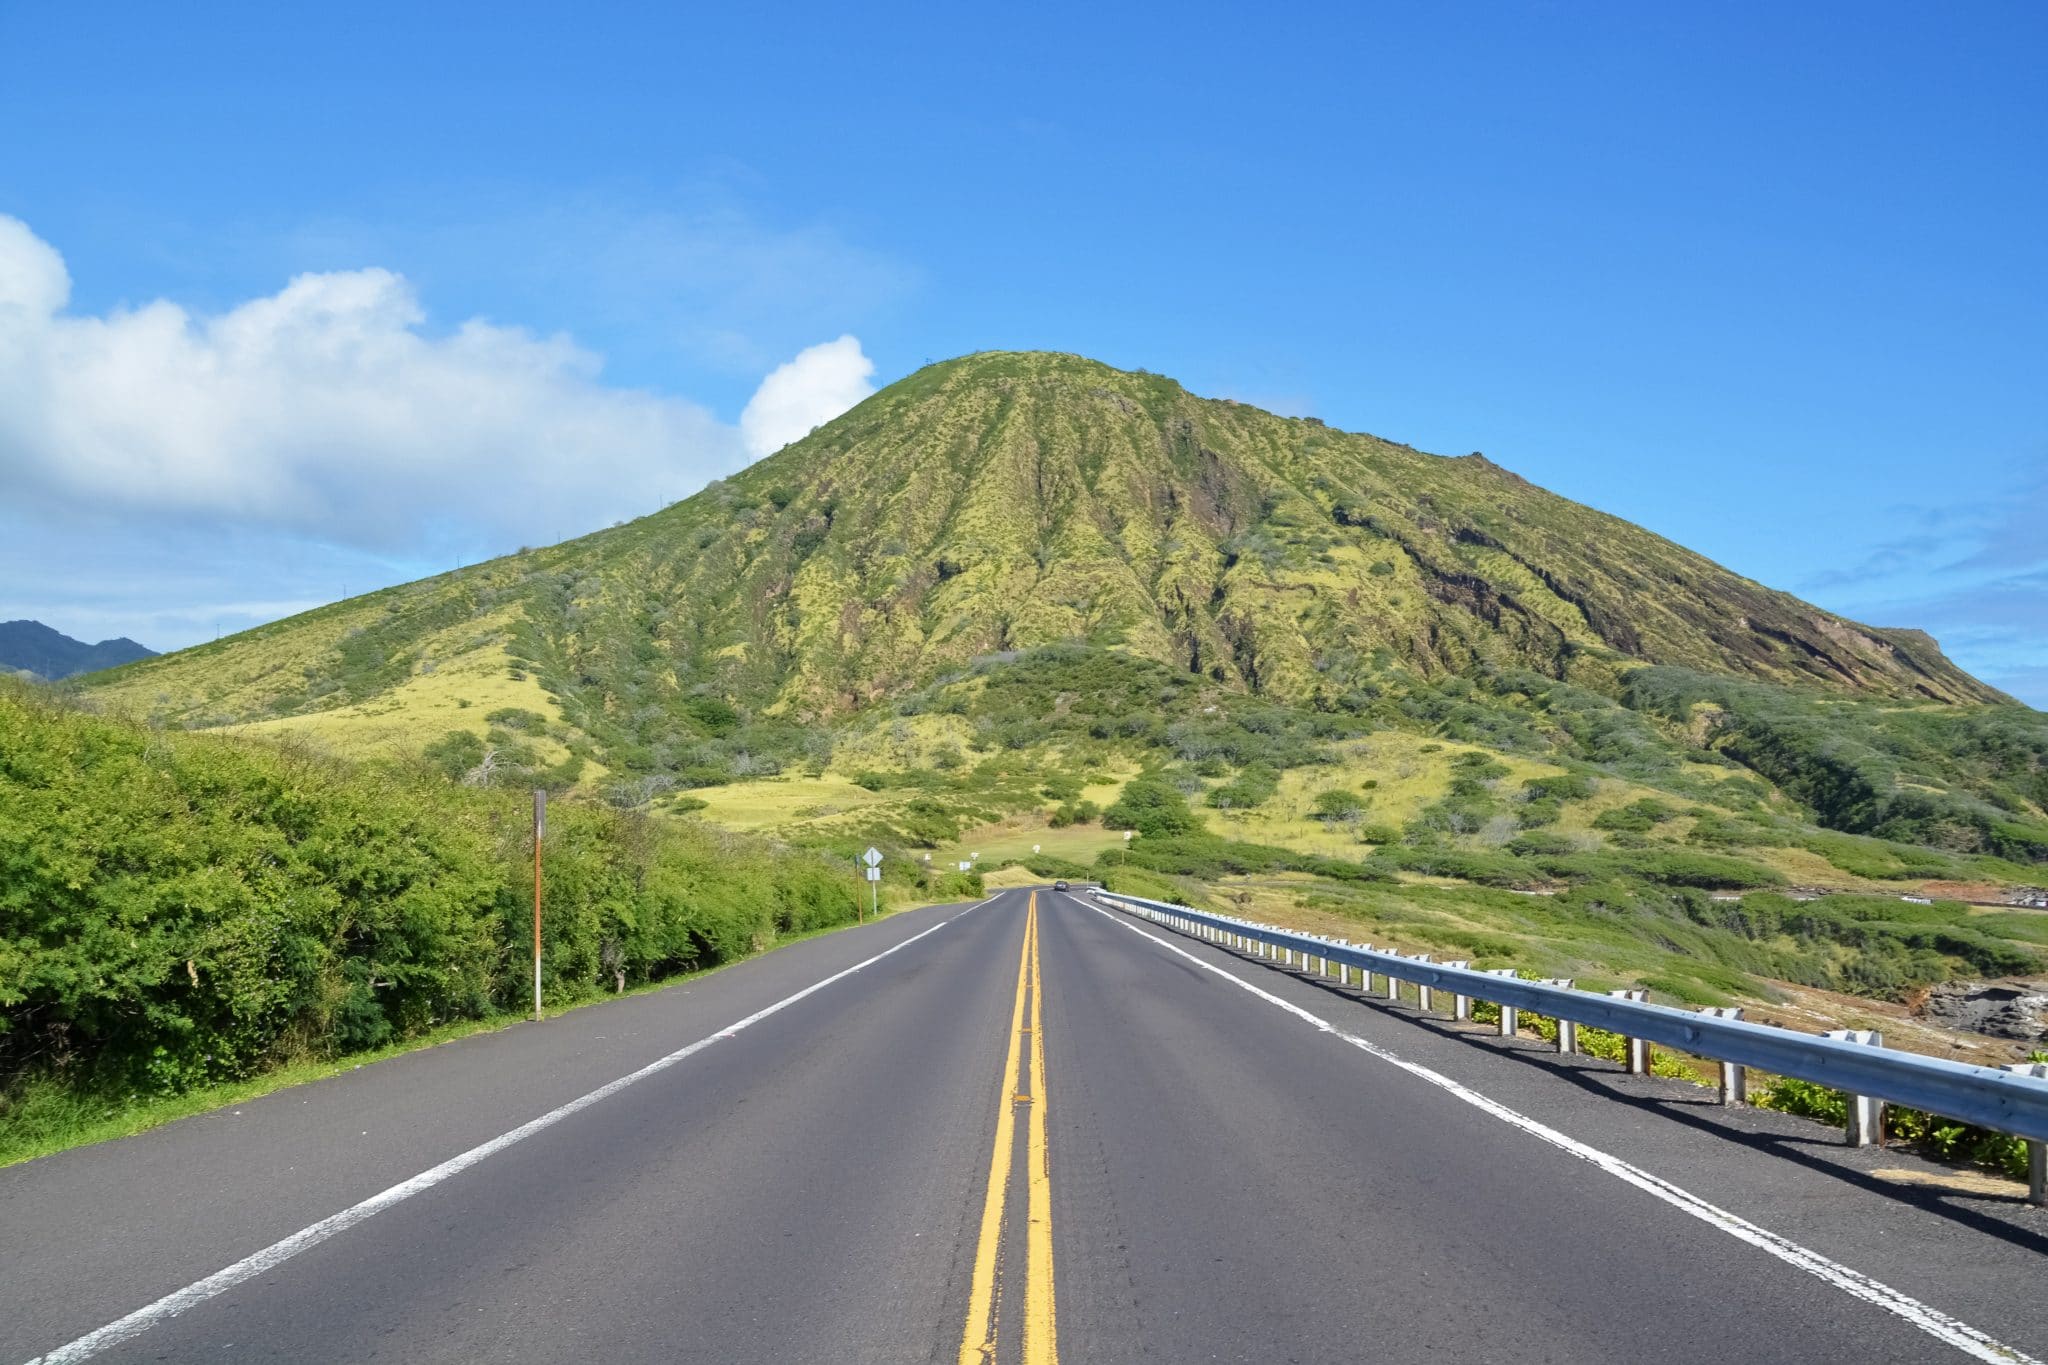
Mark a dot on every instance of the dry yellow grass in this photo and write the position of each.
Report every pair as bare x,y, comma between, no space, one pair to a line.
1075,843
787,803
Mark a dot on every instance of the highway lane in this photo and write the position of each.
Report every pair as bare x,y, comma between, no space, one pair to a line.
1288,1189
1213,1179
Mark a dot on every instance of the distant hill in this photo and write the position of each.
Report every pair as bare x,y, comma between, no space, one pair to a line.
51,654
961,570
1010,500
1023,604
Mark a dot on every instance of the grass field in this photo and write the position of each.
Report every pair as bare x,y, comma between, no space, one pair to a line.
1014,842
457,695
791,803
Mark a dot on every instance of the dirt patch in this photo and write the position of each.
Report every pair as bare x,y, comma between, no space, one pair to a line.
1962,891
1959,1182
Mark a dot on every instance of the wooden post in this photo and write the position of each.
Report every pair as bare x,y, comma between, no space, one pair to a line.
540,827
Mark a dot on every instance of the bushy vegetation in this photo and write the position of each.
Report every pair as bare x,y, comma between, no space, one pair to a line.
179,909
1152,808
1095,700
1231,605
1963,779
1205,857
1942,1138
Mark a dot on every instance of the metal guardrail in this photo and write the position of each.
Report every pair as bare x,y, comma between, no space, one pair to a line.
2008,1101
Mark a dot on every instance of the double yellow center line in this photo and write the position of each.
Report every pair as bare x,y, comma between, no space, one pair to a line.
984,1302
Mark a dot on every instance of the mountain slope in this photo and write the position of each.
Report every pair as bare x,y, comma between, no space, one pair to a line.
51,654
1004,501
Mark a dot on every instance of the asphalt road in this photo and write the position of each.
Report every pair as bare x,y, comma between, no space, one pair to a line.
1067,1133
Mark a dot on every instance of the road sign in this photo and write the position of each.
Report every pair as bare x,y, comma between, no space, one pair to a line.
874,874
967,867
873,857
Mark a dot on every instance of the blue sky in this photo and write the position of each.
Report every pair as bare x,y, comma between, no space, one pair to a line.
307,303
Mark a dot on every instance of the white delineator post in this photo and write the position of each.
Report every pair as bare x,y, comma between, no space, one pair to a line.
1866,1112
1567,1030
2037,1150
1635,1051
1461,1005
1510,1019
1734,1076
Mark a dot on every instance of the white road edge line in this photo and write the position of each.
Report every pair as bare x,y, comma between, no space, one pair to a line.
1932,1321
277,1253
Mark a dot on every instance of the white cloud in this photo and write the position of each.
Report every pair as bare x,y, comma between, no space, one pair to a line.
33,281
809,391
330,410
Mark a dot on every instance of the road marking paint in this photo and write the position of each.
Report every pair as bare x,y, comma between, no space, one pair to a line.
277,1253
1039,1333
1932,1321
1041,1326
978,1338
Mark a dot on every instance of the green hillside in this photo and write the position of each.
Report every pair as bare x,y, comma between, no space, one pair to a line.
1006,501
181,911
1026,601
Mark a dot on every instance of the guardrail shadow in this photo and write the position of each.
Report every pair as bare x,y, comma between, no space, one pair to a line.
1706,1114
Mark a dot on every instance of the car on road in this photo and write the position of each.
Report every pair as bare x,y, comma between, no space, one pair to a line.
1059,886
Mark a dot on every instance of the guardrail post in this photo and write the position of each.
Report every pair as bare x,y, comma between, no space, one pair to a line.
1423,995
1461,1005
1510,1017
1635,1051
1393,985
1567,1030
2037,1150
1344,968
1866,1114
1734,1076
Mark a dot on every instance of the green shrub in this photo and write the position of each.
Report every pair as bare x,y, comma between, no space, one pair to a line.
177,909
1337,804
1153,808
1073,813
455,753
1253,786
1943,1139
1562,787
1636,817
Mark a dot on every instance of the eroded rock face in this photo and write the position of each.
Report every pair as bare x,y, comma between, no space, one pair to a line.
1999,1009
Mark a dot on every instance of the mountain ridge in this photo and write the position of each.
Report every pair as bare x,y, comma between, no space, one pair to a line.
33,647
1008,500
